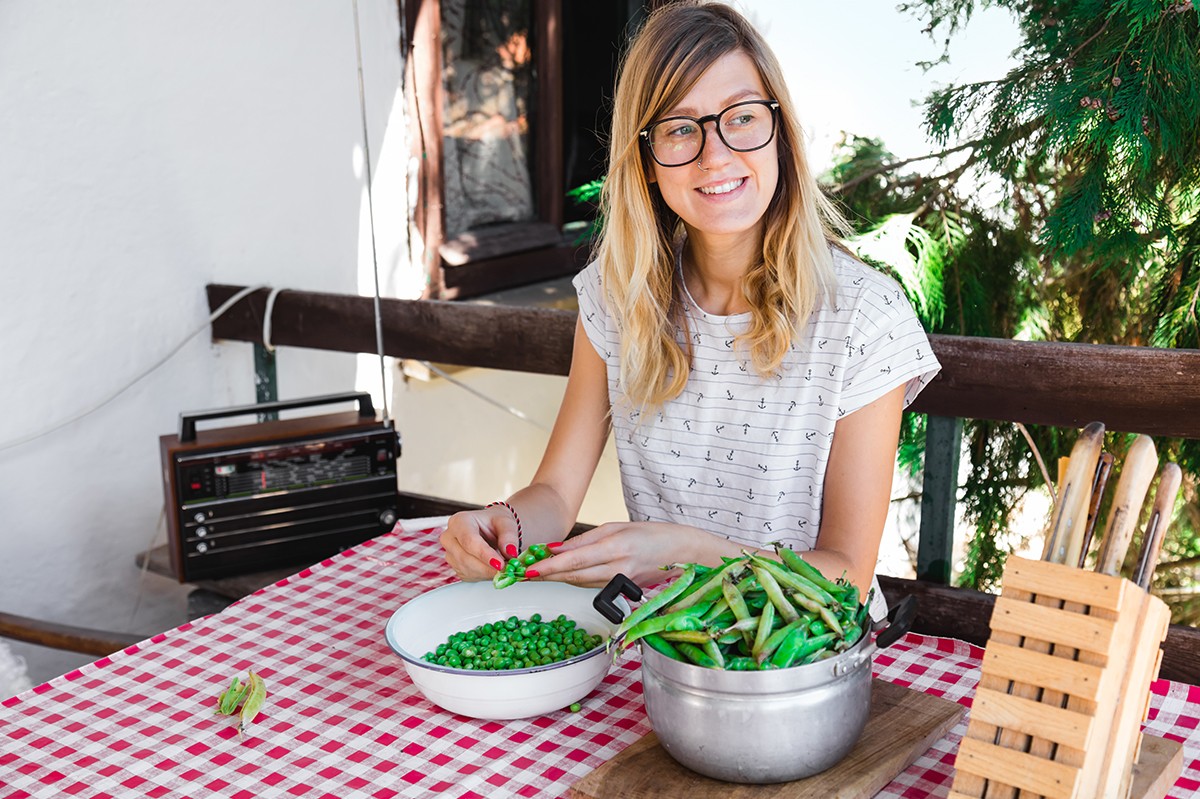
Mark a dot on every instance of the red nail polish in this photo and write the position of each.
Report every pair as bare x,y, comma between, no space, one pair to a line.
532,573
511,550
496,564
554,545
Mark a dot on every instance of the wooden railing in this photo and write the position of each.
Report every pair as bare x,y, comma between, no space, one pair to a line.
1129,389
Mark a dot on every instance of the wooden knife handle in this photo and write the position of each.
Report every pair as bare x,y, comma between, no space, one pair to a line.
1156,528
1064,540
1102,470
1141,462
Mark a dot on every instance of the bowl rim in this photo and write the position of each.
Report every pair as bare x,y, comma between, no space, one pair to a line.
414,660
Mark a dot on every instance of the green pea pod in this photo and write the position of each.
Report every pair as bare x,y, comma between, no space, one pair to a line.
698,637
660,600
722,620
800,566
505,579
765,622
775,594
737,602
741,664
794,582
716,609
775,639
827,616
660,645
711,584
812,645
713,651
255,698
756,600
789,649
540,551
229,700
696,655
852,632
676,622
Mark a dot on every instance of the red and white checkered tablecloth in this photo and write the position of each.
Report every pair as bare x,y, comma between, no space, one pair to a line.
343,720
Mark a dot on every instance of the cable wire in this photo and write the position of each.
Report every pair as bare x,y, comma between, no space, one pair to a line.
225,306
362,104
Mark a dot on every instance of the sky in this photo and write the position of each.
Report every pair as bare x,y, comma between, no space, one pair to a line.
852,66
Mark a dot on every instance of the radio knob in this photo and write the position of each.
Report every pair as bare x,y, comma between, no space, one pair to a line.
201,531
387,518
199,517
202,547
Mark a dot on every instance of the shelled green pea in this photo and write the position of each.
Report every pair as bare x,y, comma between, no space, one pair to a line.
514,570
514,643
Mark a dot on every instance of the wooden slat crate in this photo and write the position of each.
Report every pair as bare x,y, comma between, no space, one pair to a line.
1065,687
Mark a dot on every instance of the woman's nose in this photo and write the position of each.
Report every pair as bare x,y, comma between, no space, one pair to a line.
713,152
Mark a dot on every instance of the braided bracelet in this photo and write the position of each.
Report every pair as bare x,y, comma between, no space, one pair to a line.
502,503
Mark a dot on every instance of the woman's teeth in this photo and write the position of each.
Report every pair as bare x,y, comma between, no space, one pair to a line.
723,188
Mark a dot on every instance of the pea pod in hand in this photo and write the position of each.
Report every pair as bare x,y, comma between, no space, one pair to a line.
514,570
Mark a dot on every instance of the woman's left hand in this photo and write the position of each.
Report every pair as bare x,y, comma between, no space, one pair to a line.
639,550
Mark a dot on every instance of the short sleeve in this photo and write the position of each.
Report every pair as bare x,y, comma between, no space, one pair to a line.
890,347
592,309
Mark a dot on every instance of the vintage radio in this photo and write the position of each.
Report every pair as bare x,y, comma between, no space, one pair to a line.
277,493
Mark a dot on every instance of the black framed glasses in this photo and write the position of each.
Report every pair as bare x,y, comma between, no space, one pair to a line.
743,127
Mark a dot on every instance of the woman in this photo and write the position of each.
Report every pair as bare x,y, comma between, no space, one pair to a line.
752,371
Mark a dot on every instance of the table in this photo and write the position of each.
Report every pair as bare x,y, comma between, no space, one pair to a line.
343,720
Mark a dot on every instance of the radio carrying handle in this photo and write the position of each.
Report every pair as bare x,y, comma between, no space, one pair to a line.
188,419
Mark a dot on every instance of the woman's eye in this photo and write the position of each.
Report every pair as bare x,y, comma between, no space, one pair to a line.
687,129
746,118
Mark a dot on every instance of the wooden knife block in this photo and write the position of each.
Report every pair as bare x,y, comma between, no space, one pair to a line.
1064,688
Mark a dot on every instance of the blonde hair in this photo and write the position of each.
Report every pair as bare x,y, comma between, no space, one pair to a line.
635,250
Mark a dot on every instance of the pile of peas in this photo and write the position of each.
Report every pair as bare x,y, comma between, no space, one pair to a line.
514,643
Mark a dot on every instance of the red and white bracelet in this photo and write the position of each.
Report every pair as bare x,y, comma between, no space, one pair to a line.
502,503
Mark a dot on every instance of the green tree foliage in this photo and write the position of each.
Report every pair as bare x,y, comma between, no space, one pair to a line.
1063,204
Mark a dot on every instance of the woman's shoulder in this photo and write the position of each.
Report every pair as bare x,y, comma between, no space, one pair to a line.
855,276
589,275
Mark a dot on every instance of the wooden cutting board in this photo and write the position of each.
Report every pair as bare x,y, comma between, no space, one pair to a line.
903,724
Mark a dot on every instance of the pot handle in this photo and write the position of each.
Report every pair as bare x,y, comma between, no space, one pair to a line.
900,622
603,603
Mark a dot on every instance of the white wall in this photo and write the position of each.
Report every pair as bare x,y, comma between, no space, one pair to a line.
146,149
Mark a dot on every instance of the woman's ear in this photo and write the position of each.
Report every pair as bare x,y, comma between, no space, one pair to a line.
649,165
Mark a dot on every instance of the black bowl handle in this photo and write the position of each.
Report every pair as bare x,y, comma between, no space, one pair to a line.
900,621
603,602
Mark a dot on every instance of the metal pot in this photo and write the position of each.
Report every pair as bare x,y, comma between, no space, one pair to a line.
766,726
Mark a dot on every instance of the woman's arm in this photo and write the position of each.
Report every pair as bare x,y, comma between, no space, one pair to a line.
475,540
858,487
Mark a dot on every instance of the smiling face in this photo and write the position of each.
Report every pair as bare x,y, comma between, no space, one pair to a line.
723,195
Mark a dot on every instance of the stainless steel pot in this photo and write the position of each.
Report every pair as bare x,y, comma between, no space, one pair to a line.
766,726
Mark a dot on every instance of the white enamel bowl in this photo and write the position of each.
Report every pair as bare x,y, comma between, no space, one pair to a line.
422,623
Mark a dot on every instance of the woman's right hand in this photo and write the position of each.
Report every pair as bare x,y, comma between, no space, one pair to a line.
473,542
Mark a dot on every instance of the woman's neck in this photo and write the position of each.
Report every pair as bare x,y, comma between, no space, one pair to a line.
713,271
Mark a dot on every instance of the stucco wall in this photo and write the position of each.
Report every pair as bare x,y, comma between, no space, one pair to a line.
147,149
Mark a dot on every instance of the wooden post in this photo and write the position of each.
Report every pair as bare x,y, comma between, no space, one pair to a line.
266,387
939,497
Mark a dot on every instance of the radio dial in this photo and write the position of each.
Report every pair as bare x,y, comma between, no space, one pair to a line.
387,518
202,547
199,517
201,531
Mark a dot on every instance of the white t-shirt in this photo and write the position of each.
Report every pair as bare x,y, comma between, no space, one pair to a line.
742,456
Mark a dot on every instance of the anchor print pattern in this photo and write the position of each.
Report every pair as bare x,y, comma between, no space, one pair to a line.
743,454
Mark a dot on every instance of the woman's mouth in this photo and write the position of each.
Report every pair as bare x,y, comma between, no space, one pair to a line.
723,188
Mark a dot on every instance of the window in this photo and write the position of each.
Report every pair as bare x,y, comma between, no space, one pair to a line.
509,106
